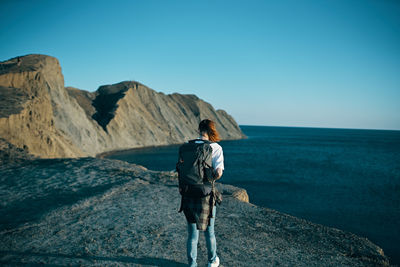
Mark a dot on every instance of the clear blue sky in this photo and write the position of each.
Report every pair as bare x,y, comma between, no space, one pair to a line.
293,63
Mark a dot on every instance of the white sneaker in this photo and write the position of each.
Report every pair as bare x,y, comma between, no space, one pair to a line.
215,263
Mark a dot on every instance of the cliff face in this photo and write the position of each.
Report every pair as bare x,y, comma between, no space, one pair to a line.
41,116
31,121
134,115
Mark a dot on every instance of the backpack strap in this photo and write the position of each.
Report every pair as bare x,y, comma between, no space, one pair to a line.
202,140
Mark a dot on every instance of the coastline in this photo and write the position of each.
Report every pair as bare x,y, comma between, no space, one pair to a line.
99,215
105,154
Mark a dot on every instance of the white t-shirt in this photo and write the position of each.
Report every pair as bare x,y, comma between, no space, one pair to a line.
217,155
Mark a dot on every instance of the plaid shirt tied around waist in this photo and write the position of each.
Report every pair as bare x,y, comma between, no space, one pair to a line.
198,210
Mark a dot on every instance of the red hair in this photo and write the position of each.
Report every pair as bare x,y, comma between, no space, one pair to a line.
208,126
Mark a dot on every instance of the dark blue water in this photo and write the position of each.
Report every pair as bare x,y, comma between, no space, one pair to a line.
344,178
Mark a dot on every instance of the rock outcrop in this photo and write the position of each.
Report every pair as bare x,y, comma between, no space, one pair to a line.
35,85
40,115
101,212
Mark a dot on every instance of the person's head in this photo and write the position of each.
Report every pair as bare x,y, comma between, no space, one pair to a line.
208,127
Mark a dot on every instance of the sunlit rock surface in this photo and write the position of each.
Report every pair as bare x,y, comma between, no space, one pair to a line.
40,115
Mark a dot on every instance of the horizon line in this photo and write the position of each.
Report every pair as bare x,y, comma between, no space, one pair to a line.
321,127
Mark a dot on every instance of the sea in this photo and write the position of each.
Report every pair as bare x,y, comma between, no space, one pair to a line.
343,178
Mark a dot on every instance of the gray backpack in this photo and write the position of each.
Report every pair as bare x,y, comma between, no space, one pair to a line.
194,168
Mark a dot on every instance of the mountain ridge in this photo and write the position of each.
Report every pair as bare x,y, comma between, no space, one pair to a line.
42,116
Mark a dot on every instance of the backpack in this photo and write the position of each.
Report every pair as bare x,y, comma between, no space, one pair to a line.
194,167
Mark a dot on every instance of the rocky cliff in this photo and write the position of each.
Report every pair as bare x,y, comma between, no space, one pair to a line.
40,115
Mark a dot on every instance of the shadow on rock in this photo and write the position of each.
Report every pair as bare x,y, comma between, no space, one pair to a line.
118,259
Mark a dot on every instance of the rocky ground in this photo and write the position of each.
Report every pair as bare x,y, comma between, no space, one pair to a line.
100,212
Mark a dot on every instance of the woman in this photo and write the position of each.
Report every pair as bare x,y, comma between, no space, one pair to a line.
204,205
